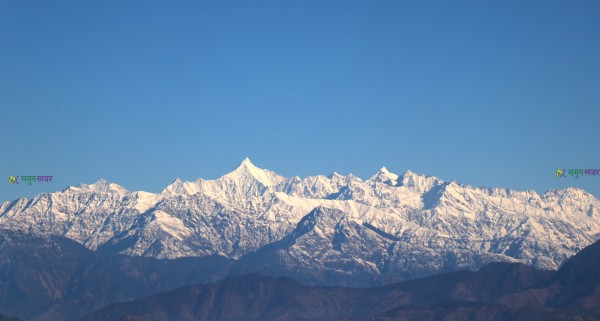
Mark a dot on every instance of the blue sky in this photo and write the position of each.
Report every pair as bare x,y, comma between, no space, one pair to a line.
142,92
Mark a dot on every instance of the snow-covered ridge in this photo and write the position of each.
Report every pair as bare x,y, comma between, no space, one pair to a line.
408,225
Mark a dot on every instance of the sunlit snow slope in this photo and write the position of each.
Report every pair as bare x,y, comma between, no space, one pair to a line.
386,228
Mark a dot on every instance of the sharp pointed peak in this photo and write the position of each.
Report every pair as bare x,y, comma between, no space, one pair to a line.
176,187
247,164
384,176
247,168
334,175
353,177
385,171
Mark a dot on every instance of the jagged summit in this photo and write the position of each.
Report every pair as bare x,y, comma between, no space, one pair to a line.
350,177
409,225
334,175
418,182
384,176
384,170
177,187
102,186
248,170
246,166
244,177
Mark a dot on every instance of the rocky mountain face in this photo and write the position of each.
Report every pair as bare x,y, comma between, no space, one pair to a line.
334,230
53,278
497,292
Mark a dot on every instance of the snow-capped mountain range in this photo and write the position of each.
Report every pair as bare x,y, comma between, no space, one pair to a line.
321,229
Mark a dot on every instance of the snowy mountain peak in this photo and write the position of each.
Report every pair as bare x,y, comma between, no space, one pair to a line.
418,182
248,170
103,186
419,225
334,175
352,177
176,187
385,170
384,176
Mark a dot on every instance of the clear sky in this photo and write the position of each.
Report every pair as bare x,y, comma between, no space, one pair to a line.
487,93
